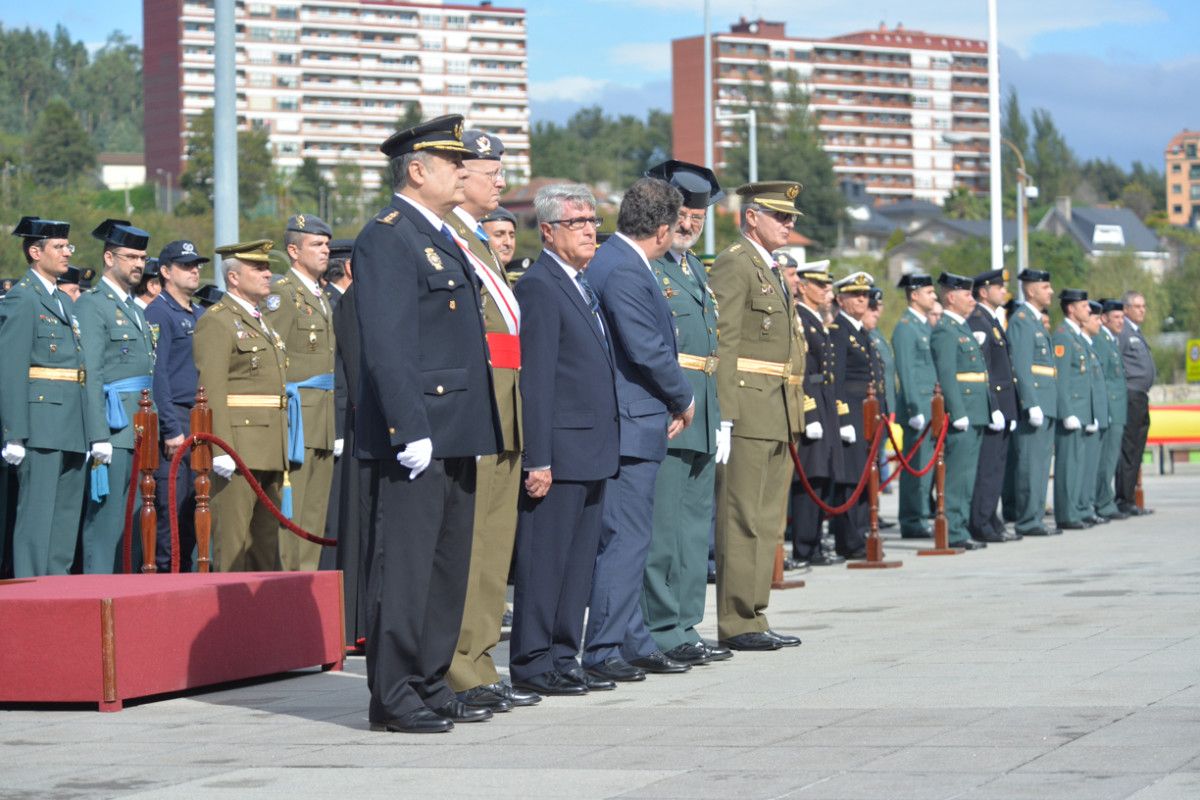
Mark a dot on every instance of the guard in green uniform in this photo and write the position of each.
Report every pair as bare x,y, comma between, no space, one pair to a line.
675,581
299,311
760,373
1034,370
242,363
915,376
962,373
118,349
1092,441
1113,366
42,404
1076,411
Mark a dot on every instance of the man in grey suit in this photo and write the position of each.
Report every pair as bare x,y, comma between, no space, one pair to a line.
655,402
1139,377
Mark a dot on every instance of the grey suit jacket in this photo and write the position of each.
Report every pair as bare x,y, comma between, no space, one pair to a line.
1135,353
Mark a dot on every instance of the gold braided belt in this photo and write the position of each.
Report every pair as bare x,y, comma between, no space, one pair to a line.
257,401
1044,371
971,377
705,364
57,374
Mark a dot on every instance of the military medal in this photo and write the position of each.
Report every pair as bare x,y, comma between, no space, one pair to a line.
253,362
669,292
453,305
434,259
766,324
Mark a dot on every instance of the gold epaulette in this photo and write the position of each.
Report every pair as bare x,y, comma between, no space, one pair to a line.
389,218
810,403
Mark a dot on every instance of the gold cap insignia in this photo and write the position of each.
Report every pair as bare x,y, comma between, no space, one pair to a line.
484,145
300,221
793,192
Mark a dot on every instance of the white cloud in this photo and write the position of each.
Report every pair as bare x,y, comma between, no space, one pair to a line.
578,88
646,57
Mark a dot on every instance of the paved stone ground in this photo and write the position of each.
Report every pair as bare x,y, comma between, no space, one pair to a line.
1066,667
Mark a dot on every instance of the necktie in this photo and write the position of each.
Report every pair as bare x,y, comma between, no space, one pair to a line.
590,297
481,233
449,236
131,305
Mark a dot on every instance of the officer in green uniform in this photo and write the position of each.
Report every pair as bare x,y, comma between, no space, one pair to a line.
242,363
675,582
883,351
1037,394
299,311
1076,410
1108,350
118,349
75,281
1092,441
915,376
42,404
962,373
760,374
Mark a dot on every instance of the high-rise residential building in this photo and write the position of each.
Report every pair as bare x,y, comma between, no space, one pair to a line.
903,112
329,79
1183,179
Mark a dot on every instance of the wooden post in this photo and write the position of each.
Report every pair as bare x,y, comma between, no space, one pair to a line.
1139,496
941,536
145,424
201,422
871,424
777,581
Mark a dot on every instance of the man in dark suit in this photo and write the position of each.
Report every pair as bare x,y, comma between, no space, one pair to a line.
425,412
569,422
985,524
1139,377
656,402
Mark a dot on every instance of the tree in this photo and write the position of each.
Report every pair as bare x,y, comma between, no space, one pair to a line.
962,203
60,150
1054,169
254,166
308,187
597,149
1138,199
1014,128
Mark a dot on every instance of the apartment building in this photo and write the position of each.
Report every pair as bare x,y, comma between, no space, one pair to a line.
1183,179
330,78
903,112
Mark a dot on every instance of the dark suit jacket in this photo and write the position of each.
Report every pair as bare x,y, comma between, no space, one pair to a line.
1001,385
424,369
855,367
346,362
650,383
821,458
569,400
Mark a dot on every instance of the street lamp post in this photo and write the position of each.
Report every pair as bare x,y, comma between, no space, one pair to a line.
751,118
170,200
710,230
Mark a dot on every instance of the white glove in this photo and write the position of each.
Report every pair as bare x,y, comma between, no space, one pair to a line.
724,441
14,453
848,434
961,424
997,423
814,430
338,446
1093,427
917,422
101,452
1071,423
416,456
1012,425
1036,417
224,466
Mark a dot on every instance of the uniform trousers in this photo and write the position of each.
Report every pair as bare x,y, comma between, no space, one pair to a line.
245,535
914,492
49,502
1068,474
850,528
1089,466
752,495
185,504
1031,476
417,583
1110,453
8,512
497,484
1133,446
104,522
676,578
557,539
989,482
310,502
807,516
962,463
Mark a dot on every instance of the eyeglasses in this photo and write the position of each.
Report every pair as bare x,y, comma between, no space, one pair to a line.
134,257
69,248
697,219
490,175
578,223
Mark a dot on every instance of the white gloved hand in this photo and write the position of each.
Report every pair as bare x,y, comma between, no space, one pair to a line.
814,430
338,446
1036,417
1093,427
997,423
224,466
101,452
848,434
14,453
1012,425
1071,423
917,422
416,456
961,424
724,441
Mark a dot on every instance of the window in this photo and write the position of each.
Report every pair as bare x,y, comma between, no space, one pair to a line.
1195,194
1176,168
1176,209
1190,149
1194,172
1176,188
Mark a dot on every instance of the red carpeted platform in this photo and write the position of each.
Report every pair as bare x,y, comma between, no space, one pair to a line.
110,638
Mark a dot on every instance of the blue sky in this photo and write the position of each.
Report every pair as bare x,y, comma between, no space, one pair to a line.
1119,76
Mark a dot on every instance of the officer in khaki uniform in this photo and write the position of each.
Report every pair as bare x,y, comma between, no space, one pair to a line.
1076,410
42,404
761,354
472,672
242,363
299,311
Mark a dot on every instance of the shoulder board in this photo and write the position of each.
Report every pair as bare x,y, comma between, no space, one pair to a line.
733,248
281,280
833,326
24,282
1020,315
217,306
389,218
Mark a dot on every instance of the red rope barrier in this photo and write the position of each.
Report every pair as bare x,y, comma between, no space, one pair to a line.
833,511
932,459
127,544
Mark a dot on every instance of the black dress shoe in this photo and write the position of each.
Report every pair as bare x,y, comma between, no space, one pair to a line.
591,683
716,652
790,564
969,544
516,697
483,697
457,711
1116,515
658,663
689,653
751,641
924,534
1073,526
1096,520
616,669
1012,536
419,720
712,574
506,620
856,555
886,524
989,538
783,639
826,560
551,683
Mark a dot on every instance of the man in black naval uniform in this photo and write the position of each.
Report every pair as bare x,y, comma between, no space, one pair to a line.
985,524
425,412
